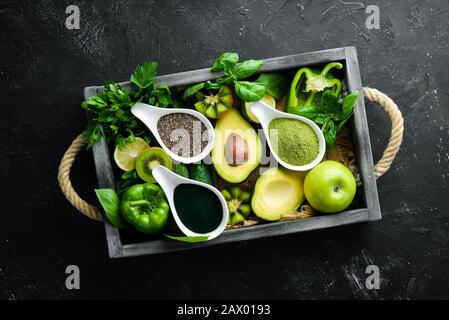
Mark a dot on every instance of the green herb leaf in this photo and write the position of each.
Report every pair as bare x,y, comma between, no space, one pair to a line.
212,85
330,133
128,179
225,62
310,112
246,68
189,239
225,81
329,102
322,118
163,96
144,75
190,91
111,204
249,91
348,104
95,102
276,84
92,134
110,110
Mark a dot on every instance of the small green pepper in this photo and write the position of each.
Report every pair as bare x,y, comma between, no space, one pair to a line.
308,84
145,207
238,202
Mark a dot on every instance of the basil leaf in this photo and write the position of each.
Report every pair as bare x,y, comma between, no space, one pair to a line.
190,91
329,102
111,204
310,112
348,104
246,68
249,91
225,62
330,133
224,81
276,85
212,85
322,118
189,239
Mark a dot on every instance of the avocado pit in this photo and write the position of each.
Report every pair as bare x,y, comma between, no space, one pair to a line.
236,150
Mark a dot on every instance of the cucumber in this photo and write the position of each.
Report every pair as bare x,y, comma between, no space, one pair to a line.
201,172
181,169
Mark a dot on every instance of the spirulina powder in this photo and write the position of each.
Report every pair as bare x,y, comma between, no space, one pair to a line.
295,141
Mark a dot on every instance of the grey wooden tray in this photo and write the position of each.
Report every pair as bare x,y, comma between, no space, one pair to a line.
369,211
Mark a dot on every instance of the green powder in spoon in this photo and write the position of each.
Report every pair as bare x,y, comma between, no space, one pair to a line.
294,141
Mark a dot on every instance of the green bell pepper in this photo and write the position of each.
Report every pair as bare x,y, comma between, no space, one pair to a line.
145,207
308,84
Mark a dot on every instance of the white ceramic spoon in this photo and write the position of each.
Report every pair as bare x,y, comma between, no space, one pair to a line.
150,116
266,114
169,180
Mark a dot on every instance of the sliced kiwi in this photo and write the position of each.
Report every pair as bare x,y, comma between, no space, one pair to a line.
213,104
150,159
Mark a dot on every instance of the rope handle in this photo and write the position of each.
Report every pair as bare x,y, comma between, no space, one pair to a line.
382,166
66,185
397,129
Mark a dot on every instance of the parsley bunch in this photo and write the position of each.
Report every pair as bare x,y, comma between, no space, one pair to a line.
110,110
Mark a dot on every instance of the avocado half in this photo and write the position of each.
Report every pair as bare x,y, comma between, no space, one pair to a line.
232,126
277,192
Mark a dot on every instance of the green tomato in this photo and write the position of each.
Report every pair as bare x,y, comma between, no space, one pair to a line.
330,187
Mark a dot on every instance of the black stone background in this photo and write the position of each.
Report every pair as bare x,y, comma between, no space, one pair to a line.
44,68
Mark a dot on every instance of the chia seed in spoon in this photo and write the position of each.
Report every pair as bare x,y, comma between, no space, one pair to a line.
184,134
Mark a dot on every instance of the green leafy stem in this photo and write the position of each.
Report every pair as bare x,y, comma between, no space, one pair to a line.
331,114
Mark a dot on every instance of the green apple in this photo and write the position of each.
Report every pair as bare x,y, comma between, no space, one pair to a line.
330,187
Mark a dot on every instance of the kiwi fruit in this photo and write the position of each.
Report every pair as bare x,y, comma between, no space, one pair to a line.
148,160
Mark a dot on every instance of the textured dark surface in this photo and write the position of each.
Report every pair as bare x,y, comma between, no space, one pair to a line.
44,67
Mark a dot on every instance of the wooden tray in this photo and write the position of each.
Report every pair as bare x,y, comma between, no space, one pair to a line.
369,211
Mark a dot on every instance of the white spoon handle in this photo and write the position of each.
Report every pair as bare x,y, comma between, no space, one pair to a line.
148,114
263,112
166,179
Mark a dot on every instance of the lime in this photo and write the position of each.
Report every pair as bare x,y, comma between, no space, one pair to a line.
125,157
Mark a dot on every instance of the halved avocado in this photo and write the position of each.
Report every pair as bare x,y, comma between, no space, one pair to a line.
277,192
237,149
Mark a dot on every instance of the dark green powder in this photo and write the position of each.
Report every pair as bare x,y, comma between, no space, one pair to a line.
198,208
297,144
